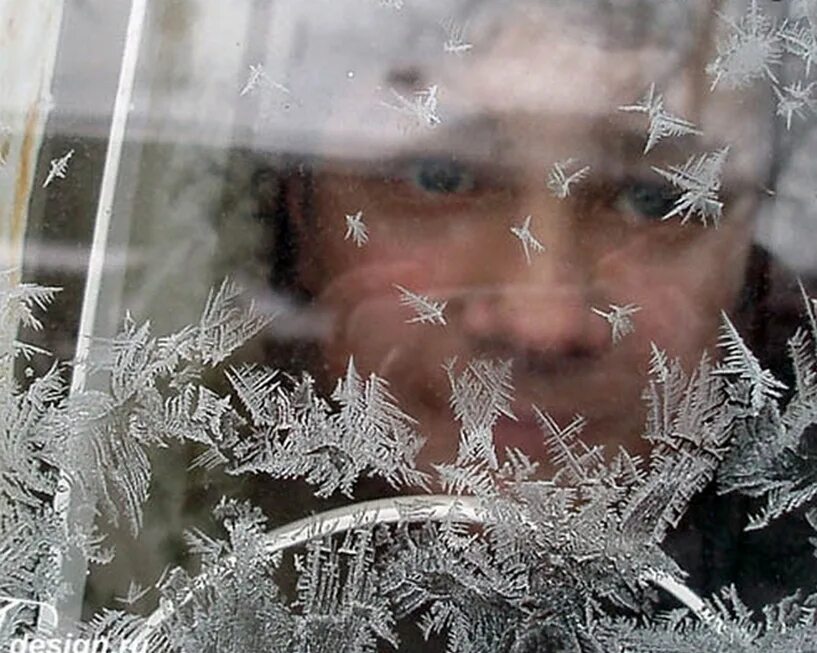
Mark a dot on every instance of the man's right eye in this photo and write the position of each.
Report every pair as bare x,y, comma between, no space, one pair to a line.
443,176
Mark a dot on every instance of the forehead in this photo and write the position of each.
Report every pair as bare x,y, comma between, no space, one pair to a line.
552,72
563,62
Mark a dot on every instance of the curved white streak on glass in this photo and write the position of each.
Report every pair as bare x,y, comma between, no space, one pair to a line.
418,508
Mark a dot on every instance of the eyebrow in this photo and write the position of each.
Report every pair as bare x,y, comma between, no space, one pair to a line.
613,133
612,143
627,138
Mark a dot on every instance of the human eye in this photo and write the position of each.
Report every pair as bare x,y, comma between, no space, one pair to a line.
440,176
646,200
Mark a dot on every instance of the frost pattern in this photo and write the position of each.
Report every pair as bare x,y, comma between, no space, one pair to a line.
771,457
356,229
427,311
259,79
662,124
699,179
19,303
479,397
421,109
742,364
59,168
751,50
800,40
795,100
587,540
297,434
560,180
620,319
455,42
528,240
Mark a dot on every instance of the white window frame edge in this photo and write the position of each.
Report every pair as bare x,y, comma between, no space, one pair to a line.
74,570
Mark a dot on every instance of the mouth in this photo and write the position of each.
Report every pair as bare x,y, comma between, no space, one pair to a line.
608,396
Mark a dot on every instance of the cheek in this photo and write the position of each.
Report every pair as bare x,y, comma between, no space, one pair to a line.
368,320
682,294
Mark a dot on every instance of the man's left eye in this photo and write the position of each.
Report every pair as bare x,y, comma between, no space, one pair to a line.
649,200
441,176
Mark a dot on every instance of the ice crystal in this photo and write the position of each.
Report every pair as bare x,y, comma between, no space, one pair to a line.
801,41
427,311
564,561
528,240
731,628
742,364
455,42
356,229
699,179
59,168
575,461
299,435
662,124
560,180
795,100
257,74
134,594
258,79
620,319
479,397
421,109
770,457
750,51
19,303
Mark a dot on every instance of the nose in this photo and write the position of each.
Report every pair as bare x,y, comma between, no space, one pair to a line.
537,309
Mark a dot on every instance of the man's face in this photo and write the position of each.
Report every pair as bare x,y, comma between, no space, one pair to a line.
439,211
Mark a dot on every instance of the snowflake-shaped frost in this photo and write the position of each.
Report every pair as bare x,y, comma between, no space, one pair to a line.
750,51
795,100
421,108
258,79
255,79
560,181
59,168
528,240
739,361
620,319
699,180
662,123
480,395
427,310
801,41
356,229
455,42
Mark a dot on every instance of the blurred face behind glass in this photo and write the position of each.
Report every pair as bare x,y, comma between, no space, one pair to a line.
440,202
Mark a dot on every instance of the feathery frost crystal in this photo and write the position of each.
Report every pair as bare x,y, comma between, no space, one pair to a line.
699,180
528,240
588,539
427,311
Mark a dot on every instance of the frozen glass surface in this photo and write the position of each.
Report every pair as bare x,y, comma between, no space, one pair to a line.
522,290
